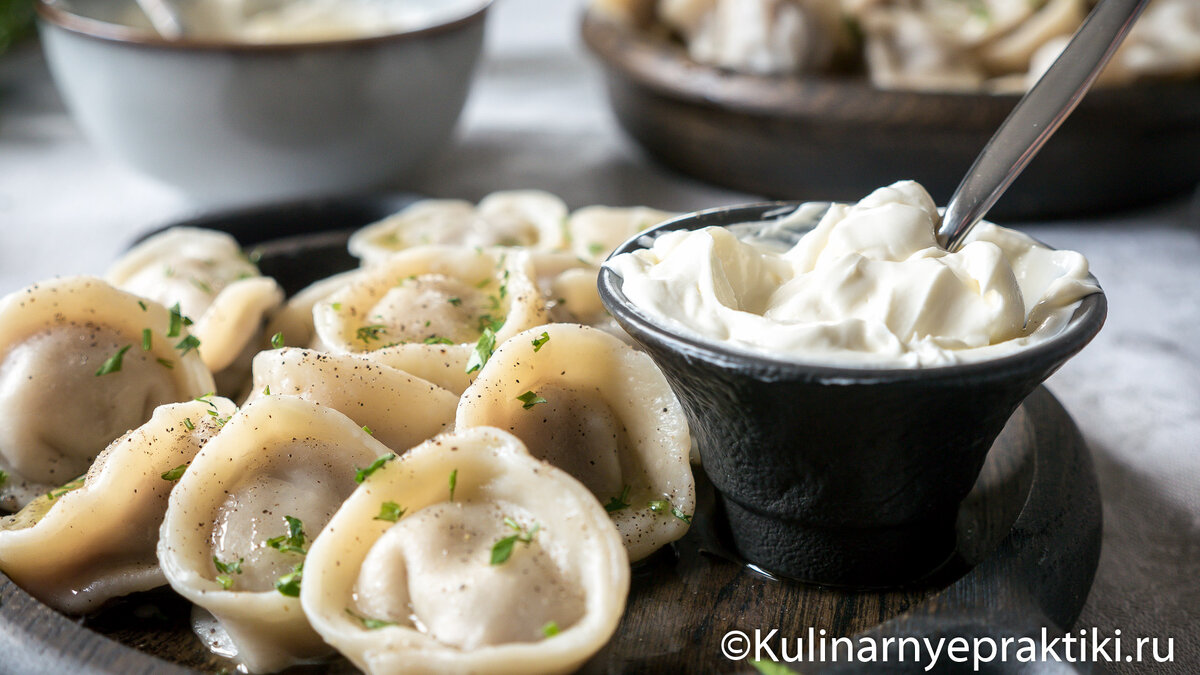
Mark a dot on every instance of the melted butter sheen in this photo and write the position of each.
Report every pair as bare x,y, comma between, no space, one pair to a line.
868,286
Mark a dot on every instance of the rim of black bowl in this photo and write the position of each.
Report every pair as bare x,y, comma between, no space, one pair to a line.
48,11
1084,324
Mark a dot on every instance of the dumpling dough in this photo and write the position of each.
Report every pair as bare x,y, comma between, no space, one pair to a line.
429,576
294,321
279,458
510,218
94,539
58,412
399,409
425,310
214,283
594,231
593,406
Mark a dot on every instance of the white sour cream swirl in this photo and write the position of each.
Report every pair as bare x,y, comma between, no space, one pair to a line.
868,286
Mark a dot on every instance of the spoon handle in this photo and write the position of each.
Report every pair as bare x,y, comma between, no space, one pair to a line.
1037,116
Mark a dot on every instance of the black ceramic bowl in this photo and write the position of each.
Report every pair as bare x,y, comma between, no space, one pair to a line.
839,475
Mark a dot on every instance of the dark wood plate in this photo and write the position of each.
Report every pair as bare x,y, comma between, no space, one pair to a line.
838,138
1028,545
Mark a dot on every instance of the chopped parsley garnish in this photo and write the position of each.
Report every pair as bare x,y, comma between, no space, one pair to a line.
178,321
166,363
390,511
187,422
277,340
113,363
486,321
176,473
293,541
664,506
187,344
530,399
147,335
620,502
455,301
361,474
483,350
368,333
202,285
453,483
142,304
540,340
368,430
438,340
267,390
368,622
502,550
595,248
550,629
60,491
227,569
289,584
3,477
337,306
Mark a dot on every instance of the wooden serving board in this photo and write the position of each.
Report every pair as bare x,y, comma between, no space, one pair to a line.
1028,545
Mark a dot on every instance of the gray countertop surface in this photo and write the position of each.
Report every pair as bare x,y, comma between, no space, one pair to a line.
538,118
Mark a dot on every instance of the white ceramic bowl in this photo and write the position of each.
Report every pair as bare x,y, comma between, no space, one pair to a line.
228,121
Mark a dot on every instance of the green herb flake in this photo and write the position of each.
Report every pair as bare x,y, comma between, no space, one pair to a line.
530,399
147,336
225,580
267,390
362,474
457,302
60,491
277,341
187,422
3,477
175,474
178,321
368,333
540,340
225,571
113,363
390,511
550,629
166,363
293,541
202,285
595,248
453,483
484,348
502,549
187,344
620,502
438,340
368,430
368,622
142,304
337,306
664,506
289,584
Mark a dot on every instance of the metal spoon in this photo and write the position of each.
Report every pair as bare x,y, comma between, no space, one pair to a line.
1037,116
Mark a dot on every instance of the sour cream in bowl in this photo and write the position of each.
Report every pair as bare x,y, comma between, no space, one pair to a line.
845,376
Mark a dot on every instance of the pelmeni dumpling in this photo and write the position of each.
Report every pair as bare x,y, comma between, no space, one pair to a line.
399,409
240,520
427,310
591,405
594,231
81,363
509,218
94,539
214,283
294,320
468,555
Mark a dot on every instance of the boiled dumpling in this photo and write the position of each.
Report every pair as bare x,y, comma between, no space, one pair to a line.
468,555
294,321
591,405
214,283
509,218
433,311
94,539
241,519
81,363
594,231
399,409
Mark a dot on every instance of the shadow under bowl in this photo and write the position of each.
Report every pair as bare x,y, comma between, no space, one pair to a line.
838,137
839,475
229,121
